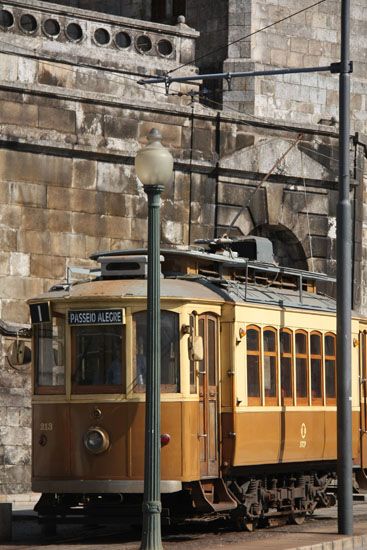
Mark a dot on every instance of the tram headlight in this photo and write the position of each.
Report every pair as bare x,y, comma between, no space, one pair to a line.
96,440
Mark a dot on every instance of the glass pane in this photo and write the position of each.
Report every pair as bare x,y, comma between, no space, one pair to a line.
169,351
285,342
270,383
316,390
98,355
330,378
252,338
315,344
211,351
330,345
301,373
269,340
50,361
300,343
192,363
286,376
253,385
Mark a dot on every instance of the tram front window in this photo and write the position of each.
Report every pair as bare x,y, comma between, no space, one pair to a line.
49,339
98,359
170,359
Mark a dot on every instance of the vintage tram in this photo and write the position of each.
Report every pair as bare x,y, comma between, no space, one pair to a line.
248,388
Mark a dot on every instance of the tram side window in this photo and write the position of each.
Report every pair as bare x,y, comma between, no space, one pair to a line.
301,368
170,358
253,365
49,342
286,366
330,369
316,368
99,364
270,366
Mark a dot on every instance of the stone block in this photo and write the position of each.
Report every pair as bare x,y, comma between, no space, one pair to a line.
58,221
10,215
56,75
47,266
90,122
8,239
15,311
19,114
34,218
60,120
4,192
19,264
96,244
171,134
115,178
84,174
28,194
37,242
4,263
17,166
120,127
66,244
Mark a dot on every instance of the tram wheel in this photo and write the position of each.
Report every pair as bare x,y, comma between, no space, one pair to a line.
246,524
298,519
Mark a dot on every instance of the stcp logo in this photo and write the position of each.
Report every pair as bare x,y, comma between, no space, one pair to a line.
303,442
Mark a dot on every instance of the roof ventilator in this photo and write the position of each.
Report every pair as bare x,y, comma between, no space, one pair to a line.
125,267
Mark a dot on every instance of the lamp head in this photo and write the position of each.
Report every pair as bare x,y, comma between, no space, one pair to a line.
154,163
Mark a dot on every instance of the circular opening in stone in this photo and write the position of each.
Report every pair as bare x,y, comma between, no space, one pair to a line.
74,32
28,23
51,27
102,37
143,43
6,19
165,47
122,40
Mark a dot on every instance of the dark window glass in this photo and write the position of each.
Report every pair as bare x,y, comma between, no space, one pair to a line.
170,359
211,351
51,27
74,32
330,345
252,337
49,339
192,363
6,19
144,43
28,22
270,379
123,40
253,383
286,376
330,378
301,374
316,380
102,37
315,344
165,47
99,357
301,344
269,340
285,342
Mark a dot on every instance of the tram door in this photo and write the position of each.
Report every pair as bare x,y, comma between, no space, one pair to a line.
208,392
363,398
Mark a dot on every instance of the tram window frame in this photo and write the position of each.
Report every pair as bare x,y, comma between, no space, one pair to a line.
330,400
254,400
301,400
58,320
98,388
271,354
317,400
139,387
287,355
193,369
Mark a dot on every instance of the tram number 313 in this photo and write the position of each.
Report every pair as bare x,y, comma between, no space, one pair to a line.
46,426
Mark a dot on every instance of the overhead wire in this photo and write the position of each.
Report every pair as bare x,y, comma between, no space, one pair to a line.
194,61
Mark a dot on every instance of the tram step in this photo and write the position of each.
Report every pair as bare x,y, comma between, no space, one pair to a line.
211,496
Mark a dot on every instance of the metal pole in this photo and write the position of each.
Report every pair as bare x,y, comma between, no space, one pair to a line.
151,536
344,292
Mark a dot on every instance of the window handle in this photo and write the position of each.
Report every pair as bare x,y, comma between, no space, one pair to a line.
202,435
201,371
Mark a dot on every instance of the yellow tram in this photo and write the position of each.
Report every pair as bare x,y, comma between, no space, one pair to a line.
248,388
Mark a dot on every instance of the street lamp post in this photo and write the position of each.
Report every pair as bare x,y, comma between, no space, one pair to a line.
154,167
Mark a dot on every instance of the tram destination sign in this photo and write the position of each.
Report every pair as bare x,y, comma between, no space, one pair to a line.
96,317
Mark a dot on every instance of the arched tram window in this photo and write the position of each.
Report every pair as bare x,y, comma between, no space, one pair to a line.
286,367
270,366
170,360
316,368
302,368
253,365
330,368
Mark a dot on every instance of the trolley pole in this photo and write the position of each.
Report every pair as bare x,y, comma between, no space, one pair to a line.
344,291
154,168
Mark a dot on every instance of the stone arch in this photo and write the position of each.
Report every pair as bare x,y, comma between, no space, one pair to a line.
288,251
